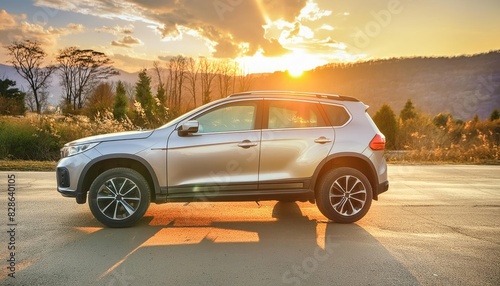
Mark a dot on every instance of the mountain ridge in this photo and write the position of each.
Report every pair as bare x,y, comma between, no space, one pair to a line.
464,86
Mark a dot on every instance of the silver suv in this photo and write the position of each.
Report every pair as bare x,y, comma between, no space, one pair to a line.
250,146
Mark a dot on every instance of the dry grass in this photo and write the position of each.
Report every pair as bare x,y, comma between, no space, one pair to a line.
32,143
24,165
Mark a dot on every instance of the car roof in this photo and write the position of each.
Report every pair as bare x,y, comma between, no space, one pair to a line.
295,94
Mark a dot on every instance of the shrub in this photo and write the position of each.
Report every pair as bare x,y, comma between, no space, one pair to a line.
41,137
19,139
418,139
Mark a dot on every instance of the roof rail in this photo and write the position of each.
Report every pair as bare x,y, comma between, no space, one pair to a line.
298,93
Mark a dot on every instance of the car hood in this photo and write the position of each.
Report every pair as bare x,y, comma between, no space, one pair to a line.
130,135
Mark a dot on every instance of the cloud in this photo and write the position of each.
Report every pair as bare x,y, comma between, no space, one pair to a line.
229,28
75,28
132,63
273,49
16,28
110,9
7,20
287,10
312,12
116,30
227,25
232,28
166,58
127,42
326,27
10,30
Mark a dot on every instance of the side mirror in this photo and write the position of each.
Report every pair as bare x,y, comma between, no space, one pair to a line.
188,127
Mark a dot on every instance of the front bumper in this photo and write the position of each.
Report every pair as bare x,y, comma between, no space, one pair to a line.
68,172
63,186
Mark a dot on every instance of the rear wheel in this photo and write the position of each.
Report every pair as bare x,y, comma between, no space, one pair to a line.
344,195
119,197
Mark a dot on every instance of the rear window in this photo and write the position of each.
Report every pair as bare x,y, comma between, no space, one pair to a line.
294,114
337,115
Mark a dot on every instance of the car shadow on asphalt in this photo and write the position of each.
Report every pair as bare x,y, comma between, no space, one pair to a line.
289,249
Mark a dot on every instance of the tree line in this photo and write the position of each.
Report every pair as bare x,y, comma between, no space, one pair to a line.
440,137
181,83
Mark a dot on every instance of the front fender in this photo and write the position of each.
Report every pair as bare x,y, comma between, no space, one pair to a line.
113,161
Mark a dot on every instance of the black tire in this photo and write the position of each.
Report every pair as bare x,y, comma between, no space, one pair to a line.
344,195
119,197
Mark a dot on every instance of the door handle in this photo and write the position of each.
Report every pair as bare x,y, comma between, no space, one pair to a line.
247,144
322,140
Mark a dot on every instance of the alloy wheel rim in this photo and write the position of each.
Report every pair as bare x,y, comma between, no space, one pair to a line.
348,195
118,198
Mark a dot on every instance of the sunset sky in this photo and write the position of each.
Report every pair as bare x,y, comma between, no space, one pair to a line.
262,35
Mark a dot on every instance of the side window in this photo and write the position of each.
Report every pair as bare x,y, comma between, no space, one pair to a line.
337,115
230,117
294,114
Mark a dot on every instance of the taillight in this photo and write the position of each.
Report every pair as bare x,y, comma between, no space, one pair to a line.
378,142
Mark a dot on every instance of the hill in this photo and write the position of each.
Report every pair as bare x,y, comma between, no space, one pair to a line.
463,86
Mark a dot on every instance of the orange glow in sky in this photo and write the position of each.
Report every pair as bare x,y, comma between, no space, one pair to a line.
261,35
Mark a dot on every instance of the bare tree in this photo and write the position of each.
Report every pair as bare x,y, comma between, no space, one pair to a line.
224,77
158,70
236,68
245,80
28,57
177,69
30,101
160,90
207,75
80,71
192,76
129,91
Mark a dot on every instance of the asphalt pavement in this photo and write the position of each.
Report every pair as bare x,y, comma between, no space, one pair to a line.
437,225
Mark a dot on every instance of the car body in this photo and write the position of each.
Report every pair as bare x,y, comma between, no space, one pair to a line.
261,145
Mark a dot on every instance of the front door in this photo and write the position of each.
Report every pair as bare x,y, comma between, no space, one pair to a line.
221,158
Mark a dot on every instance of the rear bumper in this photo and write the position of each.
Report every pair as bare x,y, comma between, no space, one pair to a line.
383,187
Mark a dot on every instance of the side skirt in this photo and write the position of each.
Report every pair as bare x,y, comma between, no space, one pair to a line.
302,195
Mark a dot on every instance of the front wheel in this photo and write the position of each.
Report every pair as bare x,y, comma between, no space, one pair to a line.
344,195
119,197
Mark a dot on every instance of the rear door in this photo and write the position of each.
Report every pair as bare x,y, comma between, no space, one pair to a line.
295,139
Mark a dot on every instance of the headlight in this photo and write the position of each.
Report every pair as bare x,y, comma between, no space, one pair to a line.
67,151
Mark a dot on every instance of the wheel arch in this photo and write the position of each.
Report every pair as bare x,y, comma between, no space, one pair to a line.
352,160
101,164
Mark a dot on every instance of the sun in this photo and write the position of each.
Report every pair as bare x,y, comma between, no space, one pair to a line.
295,63
295,71
298,62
